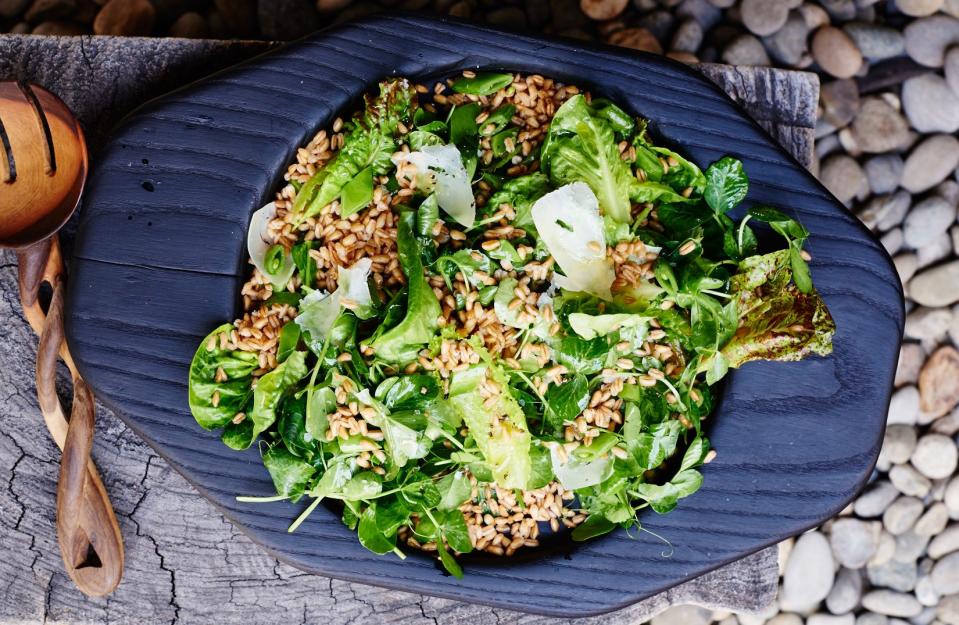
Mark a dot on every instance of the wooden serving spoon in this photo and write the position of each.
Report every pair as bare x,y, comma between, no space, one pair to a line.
43,167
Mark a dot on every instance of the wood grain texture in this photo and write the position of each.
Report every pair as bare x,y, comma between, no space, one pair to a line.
159,259
186,562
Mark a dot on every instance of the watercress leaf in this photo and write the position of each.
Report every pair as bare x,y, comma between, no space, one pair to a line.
370,535
291,426
652,447
453,527
506,251
284,297
454,490
565,402
594,525
291,475
350,517
484,83
598,448
337,474
238,435
401,343
682,219
468,262
578,354
695,453
448,561
538,325
322,403
232,394
581,146
402,443
663,497
800,269
726,184
575,473
463,127
782,223
391,514
363,485
410,392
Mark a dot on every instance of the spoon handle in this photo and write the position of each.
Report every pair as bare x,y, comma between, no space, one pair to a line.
89,536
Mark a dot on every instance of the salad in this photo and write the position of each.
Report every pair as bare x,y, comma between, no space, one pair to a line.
496,308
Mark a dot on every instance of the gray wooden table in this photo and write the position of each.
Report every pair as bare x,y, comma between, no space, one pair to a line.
185,562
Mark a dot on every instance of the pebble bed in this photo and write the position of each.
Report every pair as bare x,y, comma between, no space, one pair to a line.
886,147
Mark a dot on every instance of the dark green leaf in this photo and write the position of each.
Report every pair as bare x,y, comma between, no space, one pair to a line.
663,498
541,472
289,339
232,394
454,489
484,83
593,526
291,475
578,354
370,535
800,269
305,264
449,562
357,193
726,184
401,343
427,215
566,401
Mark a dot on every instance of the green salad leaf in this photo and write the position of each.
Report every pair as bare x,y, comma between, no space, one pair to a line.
581,146
215,403
401,343
267,395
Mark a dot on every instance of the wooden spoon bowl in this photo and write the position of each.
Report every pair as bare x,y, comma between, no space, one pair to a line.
43,167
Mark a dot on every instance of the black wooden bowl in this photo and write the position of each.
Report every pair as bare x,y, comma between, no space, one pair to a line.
160,258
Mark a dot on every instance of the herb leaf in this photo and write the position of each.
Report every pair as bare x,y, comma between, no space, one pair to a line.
726,184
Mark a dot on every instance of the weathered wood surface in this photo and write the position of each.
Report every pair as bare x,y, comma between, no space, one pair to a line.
185,562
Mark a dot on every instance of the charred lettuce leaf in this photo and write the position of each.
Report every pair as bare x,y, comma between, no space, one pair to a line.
776,320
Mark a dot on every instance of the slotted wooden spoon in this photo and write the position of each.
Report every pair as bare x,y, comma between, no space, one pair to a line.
43,167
